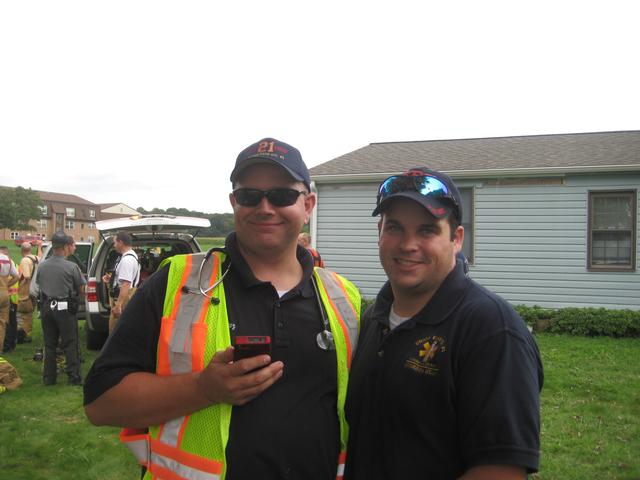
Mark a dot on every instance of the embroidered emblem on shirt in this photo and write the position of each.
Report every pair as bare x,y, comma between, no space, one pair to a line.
425,359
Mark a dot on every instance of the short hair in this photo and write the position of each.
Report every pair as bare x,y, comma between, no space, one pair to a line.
25,247
305,238
4,248
125,238
70,240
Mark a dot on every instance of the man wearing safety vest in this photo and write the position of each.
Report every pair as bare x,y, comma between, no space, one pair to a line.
167,372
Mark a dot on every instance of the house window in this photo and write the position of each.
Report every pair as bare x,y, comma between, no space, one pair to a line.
92,226
43,209
612,230
42,223
14,235
70,224
92,213
82,226
71,212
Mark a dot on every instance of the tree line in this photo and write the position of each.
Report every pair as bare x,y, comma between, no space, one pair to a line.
20,205
221,223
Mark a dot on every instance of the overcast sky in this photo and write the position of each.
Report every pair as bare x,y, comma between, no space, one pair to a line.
149,102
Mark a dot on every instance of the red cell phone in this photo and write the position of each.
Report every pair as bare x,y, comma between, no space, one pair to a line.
246,346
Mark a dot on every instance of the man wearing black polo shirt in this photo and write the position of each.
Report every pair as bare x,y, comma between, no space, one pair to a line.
447,377
285,411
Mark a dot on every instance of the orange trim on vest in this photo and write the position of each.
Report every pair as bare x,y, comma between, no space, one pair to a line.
183,427
166,327
344,290
133,434
342,459
164,473
188,459
199,332
345,332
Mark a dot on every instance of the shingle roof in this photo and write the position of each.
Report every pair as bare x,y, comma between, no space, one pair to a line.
539,152
63,198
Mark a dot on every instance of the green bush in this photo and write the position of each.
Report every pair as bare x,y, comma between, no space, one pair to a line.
531,315
587,322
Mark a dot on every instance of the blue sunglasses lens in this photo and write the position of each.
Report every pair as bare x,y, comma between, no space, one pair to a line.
425,185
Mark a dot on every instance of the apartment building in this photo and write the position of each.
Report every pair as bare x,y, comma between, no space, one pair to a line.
73,214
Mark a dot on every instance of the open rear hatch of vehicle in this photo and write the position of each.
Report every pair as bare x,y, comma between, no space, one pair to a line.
164,224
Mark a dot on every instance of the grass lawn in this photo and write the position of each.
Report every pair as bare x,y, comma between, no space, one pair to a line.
590,417
208,242
44,433
590,408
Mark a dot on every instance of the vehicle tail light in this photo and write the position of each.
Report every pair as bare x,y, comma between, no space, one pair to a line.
92,290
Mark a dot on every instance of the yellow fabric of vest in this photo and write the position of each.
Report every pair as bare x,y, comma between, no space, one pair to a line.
205,433
13,289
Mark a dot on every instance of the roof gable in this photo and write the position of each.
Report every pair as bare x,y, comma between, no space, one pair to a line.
63,198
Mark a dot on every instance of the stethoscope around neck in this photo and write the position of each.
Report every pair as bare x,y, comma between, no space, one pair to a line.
205,291
324,339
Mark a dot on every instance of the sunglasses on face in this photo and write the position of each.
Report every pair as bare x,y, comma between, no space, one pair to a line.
278,197
423,184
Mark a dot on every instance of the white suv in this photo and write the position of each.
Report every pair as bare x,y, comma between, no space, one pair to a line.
155,237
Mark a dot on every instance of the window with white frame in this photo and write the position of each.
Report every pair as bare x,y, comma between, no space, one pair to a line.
43,209
612,230
92,213
42,223
14,235
71,212
92,226
70,224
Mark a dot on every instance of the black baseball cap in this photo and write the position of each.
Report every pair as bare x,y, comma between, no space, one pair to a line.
270,150
434,190
59,239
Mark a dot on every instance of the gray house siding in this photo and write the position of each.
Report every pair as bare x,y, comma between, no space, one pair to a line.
347,235
530,242
531,245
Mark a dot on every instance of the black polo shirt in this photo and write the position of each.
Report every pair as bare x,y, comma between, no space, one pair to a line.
291,430
454,387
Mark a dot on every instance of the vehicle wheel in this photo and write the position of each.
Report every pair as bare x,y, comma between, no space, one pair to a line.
95,340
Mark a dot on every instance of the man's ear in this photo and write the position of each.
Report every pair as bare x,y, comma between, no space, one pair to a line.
458,239
310,200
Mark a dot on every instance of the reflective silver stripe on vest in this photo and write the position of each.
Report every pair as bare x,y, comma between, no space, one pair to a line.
188,314
337,295
180,469
140,448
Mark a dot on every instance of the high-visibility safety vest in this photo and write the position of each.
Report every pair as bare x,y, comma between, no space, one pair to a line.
194,327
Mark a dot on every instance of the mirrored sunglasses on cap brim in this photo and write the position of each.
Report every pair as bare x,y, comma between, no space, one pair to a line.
426,185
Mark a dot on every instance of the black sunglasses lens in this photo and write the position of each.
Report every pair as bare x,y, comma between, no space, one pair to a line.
282,197
248,197
278,197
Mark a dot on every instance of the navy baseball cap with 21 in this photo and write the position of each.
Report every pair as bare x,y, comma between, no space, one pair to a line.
272,151
434,190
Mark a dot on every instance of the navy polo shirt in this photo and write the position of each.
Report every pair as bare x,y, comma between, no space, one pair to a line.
454,387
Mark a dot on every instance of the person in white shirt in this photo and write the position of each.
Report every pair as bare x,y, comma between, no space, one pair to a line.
124,279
